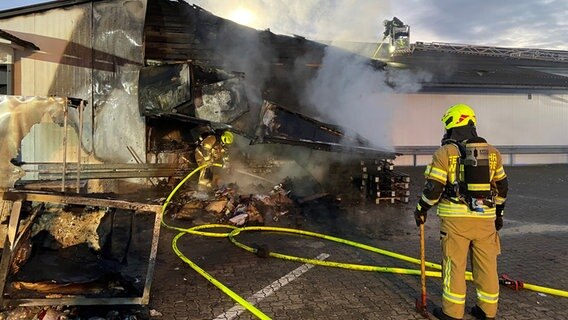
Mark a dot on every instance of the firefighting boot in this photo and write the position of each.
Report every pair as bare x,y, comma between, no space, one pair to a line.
438,313
478,313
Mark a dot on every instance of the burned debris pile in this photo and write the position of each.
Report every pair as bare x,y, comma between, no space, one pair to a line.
77,250
296,199
66,250
228,205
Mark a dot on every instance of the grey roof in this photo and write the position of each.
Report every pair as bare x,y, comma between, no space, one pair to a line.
480,71
475,67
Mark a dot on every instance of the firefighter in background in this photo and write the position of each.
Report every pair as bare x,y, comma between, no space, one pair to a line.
211,149
467,182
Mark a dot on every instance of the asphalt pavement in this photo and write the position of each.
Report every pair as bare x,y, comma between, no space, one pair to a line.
534,250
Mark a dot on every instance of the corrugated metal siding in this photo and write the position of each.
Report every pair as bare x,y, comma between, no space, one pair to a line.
6,54
36,147
91,51
62,67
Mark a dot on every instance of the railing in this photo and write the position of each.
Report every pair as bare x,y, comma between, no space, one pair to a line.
54,171
520,53
504,149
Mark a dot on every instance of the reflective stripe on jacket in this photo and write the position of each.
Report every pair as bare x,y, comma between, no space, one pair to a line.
444,169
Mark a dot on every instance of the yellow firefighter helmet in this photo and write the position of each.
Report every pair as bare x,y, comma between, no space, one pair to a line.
227,137
458,115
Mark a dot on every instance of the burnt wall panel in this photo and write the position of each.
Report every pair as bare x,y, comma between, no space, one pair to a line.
163,88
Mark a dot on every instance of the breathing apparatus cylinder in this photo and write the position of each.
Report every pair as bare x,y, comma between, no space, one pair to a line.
475,180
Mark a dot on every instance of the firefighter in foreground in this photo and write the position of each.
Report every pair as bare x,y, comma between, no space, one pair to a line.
467,181
211,149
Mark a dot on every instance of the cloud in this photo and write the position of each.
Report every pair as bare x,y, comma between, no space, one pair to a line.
359,20
508,23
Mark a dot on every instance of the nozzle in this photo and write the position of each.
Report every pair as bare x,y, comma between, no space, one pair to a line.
513,284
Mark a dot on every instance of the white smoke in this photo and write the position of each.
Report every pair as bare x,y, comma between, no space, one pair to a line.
354,96
347,90
359,98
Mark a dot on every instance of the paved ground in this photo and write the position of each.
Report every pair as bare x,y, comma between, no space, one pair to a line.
534,250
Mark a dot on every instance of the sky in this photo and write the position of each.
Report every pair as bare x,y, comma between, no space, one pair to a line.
506,23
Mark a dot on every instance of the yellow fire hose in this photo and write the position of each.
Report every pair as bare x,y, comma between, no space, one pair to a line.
328,263
196,231
235,231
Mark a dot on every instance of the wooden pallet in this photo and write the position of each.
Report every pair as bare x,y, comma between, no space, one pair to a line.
382,184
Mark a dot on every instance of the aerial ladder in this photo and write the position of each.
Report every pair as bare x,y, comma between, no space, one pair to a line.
398,34
518,53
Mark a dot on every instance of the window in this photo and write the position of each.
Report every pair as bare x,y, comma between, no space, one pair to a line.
5,79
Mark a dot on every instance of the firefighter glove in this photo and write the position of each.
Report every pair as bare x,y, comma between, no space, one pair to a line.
498,223
420,217
499,209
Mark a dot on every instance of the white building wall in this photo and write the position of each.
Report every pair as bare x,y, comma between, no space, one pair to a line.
514,119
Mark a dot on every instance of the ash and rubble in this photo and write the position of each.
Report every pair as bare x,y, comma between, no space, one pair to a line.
288,186
69,228
257,200
228,205
291,186
79,313
324,193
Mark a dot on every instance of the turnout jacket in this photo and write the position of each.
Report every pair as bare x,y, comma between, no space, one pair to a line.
210,150
441,176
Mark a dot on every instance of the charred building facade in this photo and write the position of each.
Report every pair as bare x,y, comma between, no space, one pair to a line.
151,71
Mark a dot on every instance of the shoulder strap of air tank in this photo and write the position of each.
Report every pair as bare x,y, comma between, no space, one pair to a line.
460,146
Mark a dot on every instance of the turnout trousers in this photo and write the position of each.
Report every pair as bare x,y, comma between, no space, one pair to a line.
458,237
